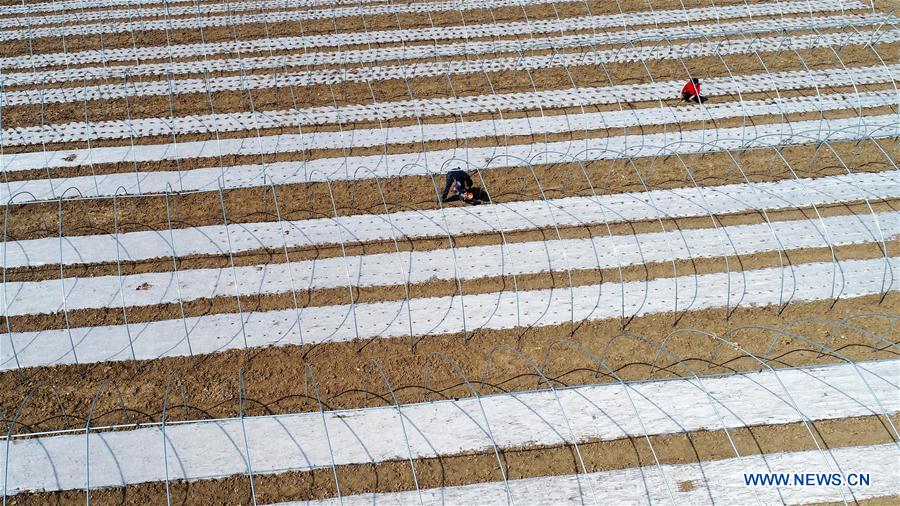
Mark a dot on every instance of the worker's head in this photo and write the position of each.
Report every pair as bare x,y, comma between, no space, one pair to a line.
695,80
467,195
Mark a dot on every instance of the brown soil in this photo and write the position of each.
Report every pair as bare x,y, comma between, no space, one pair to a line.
686,486
445,288
308,201
518,463
206,386
886,6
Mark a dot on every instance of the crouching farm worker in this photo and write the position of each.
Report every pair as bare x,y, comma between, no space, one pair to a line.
691,92
459,186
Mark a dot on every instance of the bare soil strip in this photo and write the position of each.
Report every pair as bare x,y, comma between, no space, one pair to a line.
518,463
206,387
317,200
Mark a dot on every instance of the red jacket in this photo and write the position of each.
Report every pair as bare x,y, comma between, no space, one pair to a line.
690,87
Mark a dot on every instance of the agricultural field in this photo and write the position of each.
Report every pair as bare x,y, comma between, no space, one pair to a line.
230,277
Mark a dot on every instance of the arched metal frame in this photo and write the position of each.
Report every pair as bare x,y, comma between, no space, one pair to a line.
423,166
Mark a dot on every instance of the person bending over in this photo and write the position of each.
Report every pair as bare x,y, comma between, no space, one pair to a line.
691,92
458,185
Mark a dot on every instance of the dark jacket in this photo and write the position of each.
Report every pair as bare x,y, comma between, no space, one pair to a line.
456,176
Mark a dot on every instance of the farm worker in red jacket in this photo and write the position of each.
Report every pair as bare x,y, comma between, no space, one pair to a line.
691,92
